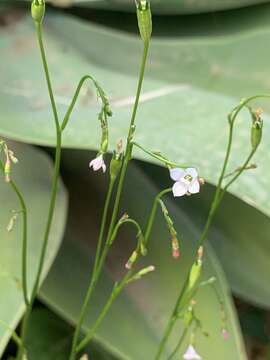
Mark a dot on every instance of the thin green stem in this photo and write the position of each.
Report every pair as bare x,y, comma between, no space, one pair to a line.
151,218
173,317
115,293
24,237
14,336
53,194
47,74
127,157
122,222
103,222
159,157
219,193
180,342
172,320
75,98
24,242
128,275
95,269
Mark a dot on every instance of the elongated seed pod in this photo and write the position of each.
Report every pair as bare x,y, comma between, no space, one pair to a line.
144,17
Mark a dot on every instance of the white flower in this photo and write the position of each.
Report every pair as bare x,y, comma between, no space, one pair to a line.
191,354
98,163
187,181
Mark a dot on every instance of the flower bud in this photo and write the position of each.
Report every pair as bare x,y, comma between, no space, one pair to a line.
257,126
142,273
131,260
38,10
7,170
144,17
196,269
256,133
195,274
115,165
12,222
175,248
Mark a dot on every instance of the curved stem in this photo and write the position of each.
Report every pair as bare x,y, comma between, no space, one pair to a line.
180,342
122,222
75,98
150,221
159,157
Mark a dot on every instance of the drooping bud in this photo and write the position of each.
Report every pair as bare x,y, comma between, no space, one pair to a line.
38,10
142,273
131,260
225,334
144,17
7,170
201,180
173,232
256,129
12,221
175,248
13,157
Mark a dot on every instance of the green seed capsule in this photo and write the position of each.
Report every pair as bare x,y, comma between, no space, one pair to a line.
38,10
144,19
195,274
256,133
115,165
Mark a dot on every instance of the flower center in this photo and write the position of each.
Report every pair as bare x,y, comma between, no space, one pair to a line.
188,177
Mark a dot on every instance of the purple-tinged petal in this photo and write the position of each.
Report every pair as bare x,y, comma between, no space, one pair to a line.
179,189
98,163
103,167
177,173
194,187
192,172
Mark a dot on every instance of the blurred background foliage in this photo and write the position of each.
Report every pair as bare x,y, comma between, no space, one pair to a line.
205,56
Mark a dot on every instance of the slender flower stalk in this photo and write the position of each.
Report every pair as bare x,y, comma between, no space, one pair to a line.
127,157
219,194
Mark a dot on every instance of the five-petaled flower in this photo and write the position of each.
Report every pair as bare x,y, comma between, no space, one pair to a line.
98,163
191,354
186,181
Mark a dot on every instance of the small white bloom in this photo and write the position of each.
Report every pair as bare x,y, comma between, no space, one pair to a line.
98,163
186,181
191,354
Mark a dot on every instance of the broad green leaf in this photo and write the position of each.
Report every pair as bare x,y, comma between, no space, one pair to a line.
49,337
162,6
134,325
33,176
175,105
